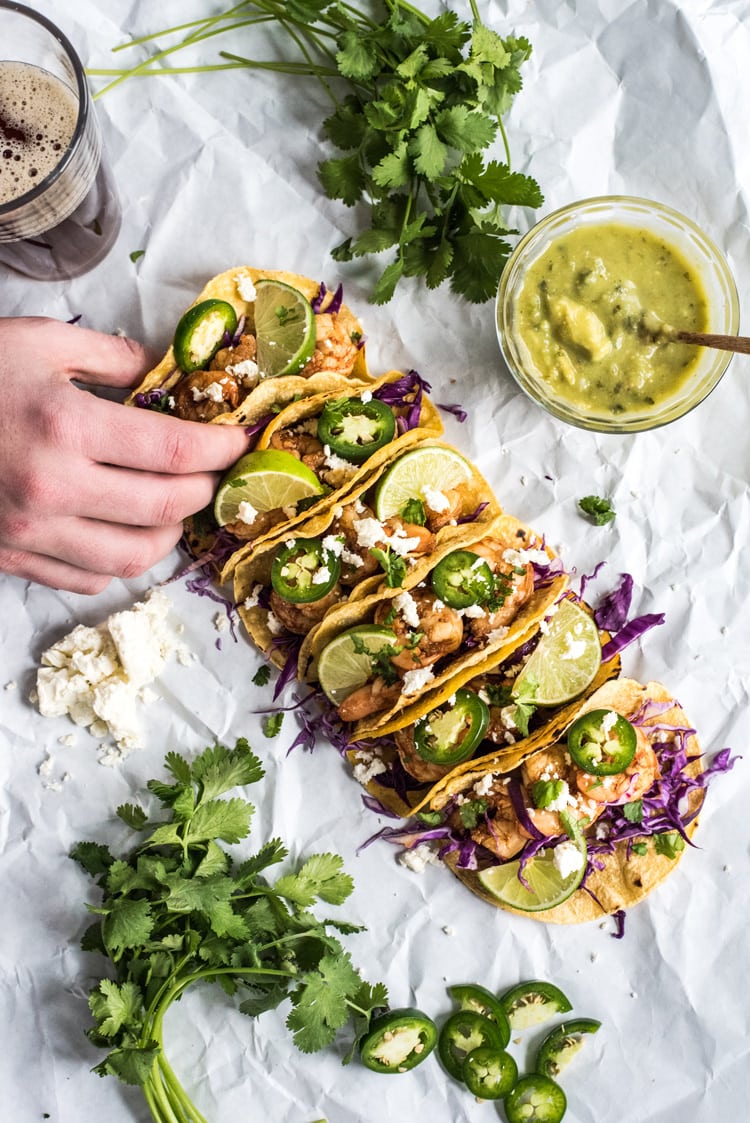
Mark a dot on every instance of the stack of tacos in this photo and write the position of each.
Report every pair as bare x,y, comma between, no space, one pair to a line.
413,619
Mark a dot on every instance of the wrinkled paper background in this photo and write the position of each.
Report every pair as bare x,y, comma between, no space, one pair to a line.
634,97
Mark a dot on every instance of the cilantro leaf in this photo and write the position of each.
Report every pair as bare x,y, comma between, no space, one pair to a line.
393,565
272,724
599,510
114,1006
319,877
670,844
320,1004
262,676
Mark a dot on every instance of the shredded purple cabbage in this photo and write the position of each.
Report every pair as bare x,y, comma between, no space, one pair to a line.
473,516
289,645
258,427
612,612
405,391
632,631
151,399
458,411
232,340
589,577
336,300
375,805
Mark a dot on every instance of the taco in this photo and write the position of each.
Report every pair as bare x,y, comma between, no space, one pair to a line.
212,371
377,659
342,440
611,802
478,726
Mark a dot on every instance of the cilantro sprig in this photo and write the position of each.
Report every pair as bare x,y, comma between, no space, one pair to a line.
178,910
418,105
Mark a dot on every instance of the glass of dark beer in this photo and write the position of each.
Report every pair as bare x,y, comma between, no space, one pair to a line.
59,211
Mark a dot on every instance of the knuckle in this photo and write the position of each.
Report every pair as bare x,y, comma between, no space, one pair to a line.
178,451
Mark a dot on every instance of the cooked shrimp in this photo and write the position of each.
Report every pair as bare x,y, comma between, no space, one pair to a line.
499,831
456,500
514,584
440,630
231,356
262,523
413,763
369,699
300,618
624,787
549,764
304,446
205,394
395,527
334,347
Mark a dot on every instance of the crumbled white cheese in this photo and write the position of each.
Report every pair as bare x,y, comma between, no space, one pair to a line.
435,500
609,721
253,599
563,799
246,513
401,544
334,544
321,575
246,372
221,622
367,766
497,634
472,612
336,463
214,392
11,685
406,606
484,786
568,858
419,857
370,532
366,396
246,288
273,624
524,557
93,674
416,680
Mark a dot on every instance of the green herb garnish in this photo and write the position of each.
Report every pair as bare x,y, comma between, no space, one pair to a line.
671,844
177,910
471,812
393,565
599,510
417,105
136,254
413,512
272,724
262,676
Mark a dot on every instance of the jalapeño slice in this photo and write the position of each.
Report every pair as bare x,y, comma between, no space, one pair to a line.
561,1044
464,1031
602,742
448,736
535,1099
398,1040
472,996
462,579
201,332
489,1073
354,429
533,1002
303,571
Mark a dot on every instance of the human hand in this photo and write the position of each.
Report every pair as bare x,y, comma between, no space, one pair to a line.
90,489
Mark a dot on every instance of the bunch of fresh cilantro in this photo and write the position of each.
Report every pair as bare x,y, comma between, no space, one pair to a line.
422,105
178,910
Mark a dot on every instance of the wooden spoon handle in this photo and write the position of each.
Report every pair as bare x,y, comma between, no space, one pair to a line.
740,343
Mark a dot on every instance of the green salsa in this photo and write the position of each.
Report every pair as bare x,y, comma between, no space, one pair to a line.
595,311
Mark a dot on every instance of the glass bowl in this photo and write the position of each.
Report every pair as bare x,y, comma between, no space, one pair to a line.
681,235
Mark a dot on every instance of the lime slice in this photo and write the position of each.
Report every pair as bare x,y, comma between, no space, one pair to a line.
547,885
267,479
284,328
565,660
430,466
342,669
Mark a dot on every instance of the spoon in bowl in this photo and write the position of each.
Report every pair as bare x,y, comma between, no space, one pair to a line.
655,329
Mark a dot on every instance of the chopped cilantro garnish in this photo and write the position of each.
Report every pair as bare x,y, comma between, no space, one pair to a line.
599,510
262,676
272,724
413,512
671,843
393,565
471,812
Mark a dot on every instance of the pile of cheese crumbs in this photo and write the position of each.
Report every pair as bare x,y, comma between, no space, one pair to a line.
97,675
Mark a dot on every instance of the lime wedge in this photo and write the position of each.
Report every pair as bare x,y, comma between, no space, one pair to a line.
342,669
565,660
267,479
284,328
431,466
547,885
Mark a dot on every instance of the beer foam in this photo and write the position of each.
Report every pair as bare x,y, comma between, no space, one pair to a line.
38,115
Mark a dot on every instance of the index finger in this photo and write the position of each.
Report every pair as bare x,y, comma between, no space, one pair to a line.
154,442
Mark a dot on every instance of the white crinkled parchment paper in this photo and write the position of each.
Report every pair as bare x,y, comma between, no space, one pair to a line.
632,97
